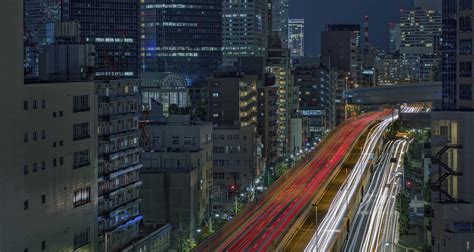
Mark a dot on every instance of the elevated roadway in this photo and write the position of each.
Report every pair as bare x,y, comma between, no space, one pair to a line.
395,94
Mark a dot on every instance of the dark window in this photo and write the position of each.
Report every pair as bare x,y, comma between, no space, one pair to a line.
465,92
43,134
465,69
34,136
61,113
43,103
54,163
54,114
25,137
43,198
61,161
465,5
81,131
81,159
82,196
25,105
43,165
81,103
54,144
43,245
35,167
35,106
465,46
61,143
82,238
465,24
25,169
25,250
25,204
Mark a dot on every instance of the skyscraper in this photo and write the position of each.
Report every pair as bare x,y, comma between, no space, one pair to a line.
340,45
395,37
420,33
452,134
183,37
114,30
244,28
296,37
280,18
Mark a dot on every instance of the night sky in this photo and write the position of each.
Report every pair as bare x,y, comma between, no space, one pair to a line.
319,12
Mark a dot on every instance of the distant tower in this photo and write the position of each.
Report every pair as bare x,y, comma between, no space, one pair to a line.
366,30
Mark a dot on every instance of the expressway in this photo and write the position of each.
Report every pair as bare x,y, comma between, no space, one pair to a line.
327,233
375,225
261,227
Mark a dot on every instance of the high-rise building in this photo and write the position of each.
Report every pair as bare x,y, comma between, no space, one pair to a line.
244,28
114,30
183,37
278,64
317,92
279,18
452,123
48,181
340,44
420,30
267,125
119,163
395,37
296,37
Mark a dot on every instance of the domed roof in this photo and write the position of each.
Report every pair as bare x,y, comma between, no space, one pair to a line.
165,80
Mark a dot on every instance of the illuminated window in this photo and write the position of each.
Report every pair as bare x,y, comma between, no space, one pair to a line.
82,196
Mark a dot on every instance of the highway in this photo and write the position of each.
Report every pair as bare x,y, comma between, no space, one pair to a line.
375,225
262,226
326,235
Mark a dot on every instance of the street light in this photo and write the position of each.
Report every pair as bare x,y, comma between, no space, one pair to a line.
316,225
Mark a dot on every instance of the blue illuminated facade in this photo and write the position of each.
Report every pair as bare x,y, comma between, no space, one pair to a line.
183,36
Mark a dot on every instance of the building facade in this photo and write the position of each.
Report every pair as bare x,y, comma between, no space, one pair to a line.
114,30
340,48
317,97
244,28
183,37
38,180
296,37
452,123
267,120
279,18
177,173
119,215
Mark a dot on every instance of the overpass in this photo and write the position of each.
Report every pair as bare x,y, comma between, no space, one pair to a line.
394,94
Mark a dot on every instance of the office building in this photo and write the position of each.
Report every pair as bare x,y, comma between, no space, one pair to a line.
183,37
317,96
452,145
341,84
40,151
177,173
420,30
296,37
393,69
119,163
267,119
395,37
280,18
232,99
244,28
114,30
340,44
278,64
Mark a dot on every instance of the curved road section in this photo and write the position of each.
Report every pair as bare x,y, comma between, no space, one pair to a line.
327,232
260,228
375,224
